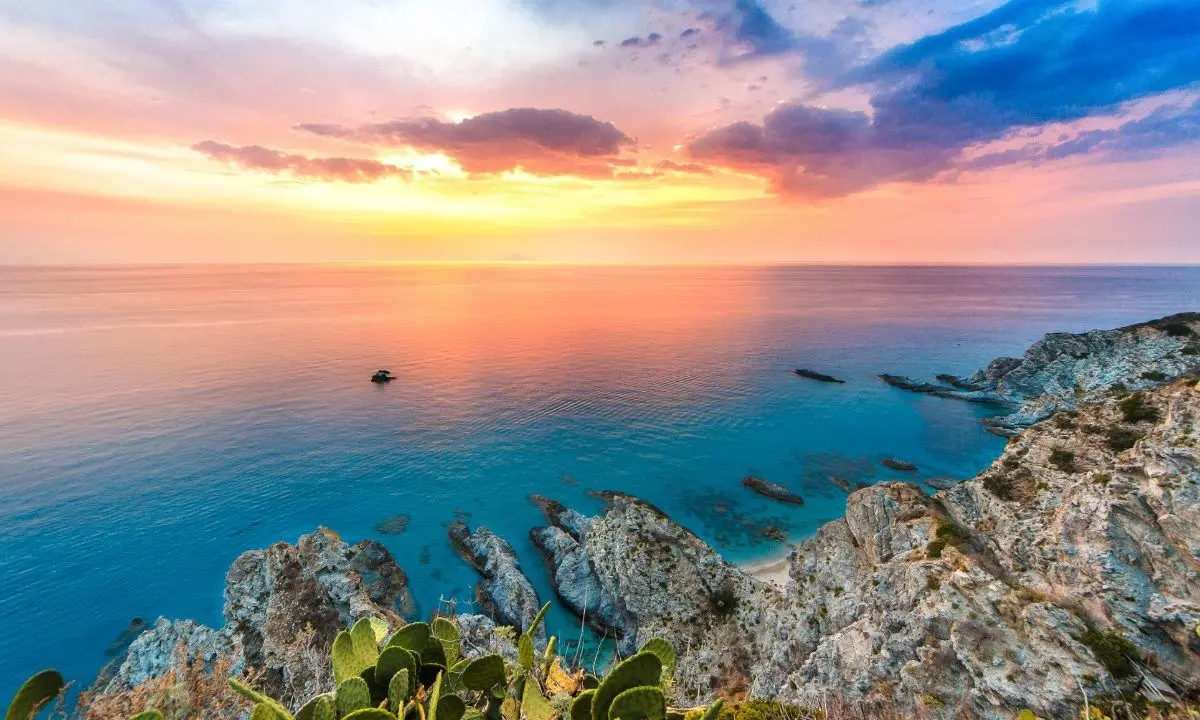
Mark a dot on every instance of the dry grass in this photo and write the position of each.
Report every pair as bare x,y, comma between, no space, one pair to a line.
196,691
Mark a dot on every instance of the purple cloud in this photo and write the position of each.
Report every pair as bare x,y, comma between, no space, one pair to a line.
541,141
256,157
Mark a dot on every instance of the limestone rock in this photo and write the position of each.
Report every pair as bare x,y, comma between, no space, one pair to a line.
503,590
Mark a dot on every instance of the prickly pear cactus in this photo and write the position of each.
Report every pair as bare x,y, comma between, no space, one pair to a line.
446,632
533,705
484,672
354,651
321,707
713,710
581,707
413,637
399,690
352,694
34,695
391,661
525,653
369,714
665,653
642,669
639,703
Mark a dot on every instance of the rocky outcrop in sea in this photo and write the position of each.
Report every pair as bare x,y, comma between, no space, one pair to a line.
1063,370
283,607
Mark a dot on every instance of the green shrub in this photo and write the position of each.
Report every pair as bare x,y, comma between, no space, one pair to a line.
1177,329
1011,487
947,533
1120,439
1134,409
1111,650
1154,376
1064,460
1064,420
1102,478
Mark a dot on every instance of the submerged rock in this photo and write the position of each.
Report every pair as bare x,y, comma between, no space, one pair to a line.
503,590
772,490
901,465
814,375
395,525
941,482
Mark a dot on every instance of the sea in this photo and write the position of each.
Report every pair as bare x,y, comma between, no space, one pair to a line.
156,421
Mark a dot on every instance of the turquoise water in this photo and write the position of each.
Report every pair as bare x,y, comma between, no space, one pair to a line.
155,422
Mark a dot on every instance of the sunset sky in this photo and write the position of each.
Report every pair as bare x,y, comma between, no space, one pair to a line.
599,130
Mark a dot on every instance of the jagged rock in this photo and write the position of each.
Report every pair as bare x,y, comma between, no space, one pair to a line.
563,545
479,636
954,393
156,651
503,589
772,490
320,585
941,482
1062,370
820,377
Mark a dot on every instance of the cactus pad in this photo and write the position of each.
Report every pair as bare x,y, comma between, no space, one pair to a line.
352,694
581,707
446,632
400,689
413,637
393,660
369,714
354,651
665,653
525,652
639,703
34,694
642,669
484,673
713,710
320,707
533,705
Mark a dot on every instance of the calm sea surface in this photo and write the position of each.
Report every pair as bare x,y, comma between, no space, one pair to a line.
155,422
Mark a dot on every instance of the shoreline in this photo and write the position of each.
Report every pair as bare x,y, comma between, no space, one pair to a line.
772,570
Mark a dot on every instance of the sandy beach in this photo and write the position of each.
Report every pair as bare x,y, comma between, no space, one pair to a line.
773,570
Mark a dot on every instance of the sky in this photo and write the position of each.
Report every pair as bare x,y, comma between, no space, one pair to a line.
883,131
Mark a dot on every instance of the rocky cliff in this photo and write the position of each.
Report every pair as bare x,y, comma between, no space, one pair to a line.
1070,566
1062,370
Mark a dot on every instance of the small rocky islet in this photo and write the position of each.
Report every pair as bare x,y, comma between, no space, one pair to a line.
819,377
1066,570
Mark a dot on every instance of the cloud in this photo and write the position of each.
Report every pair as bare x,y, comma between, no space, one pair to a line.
1020,67
258,158
636,41
540,141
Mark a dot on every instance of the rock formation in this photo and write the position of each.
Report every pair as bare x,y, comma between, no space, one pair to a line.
503,590
998,594
283,606
1062,370
775,491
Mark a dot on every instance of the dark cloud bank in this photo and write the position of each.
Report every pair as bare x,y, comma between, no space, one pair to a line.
1022,66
